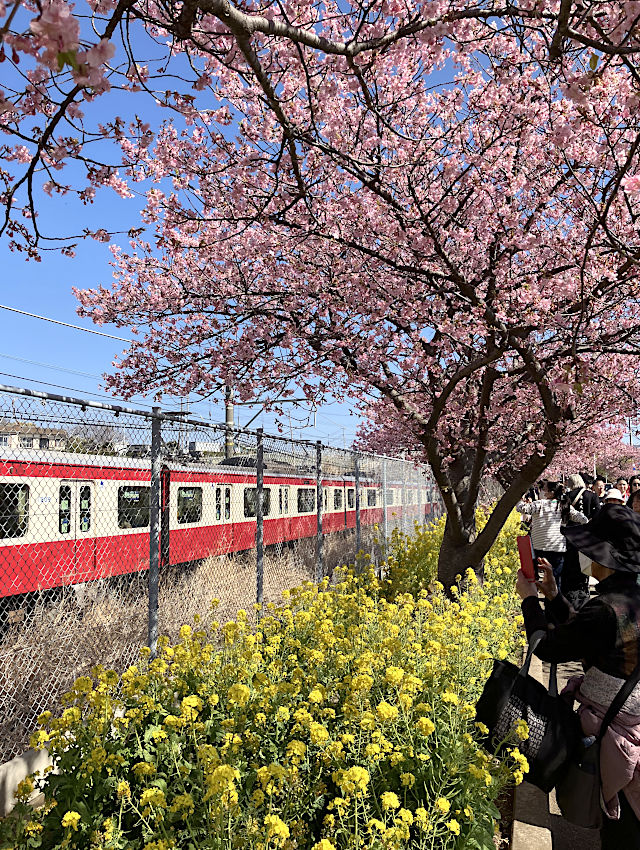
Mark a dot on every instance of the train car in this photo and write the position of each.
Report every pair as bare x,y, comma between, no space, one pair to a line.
67,518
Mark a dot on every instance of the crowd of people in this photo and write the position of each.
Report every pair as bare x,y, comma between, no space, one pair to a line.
552,505
581,529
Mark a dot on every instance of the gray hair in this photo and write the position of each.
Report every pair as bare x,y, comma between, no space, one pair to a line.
575,481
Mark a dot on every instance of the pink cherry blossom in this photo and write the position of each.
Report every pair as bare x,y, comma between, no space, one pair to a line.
57,31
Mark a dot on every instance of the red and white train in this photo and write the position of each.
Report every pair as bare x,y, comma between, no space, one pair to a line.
69,518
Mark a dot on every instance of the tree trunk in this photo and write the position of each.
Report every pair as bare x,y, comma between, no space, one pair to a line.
456,551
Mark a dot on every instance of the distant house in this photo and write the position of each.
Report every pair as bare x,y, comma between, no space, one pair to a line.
205,447
27,435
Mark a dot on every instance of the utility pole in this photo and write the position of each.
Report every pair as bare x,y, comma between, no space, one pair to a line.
228,423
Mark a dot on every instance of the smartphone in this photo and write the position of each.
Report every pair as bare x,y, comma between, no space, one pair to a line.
528,564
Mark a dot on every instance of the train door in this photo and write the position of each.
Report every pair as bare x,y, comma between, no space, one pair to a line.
76,522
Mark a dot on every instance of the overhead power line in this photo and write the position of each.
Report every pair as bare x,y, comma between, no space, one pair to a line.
64,324
51,366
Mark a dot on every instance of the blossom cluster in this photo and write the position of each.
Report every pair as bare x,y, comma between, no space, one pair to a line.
341,719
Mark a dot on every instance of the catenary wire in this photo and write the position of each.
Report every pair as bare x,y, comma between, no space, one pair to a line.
51,366
64,324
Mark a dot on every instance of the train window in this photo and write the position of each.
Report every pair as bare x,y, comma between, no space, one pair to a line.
389,497
218,503
189,504
44,442
85,508
251,501
337,499
14,510
227,502
325,498
25,442
283,500
133,507
64,509
4,440
306,500
351,498
372,497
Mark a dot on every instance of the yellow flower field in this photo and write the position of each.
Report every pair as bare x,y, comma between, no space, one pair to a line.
342,719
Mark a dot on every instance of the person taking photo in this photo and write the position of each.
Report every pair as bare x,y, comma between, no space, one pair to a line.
605,635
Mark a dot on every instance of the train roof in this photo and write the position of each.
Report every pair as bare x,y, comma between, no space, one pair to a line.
275,468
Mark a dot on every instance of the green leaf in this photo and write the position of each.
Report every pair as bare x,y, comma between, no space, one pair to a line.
593,61
149,732
68,57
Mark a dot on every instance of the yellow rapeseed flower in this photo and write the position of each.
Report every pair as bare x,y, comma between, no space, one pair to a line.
318,733
71,820
389,800
394,675
238,695
453,826
123,790
386,712
277,830
425,726
442,805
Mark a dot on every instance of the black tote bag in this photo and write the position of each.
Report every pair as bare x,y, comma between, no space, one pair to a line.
511,694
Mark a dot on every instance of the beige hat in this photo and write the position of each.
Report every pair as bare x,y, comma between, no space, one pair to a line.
614,493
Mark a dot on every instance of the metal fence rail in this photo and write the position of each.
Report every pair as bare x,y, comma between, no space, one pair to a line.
118,525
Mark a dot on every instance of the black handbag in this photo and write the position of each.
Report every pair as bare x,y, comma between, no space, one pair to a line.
511,694
578,792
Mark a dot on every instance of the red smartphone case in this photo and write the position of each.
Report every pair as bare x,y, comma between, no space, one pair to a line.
525,551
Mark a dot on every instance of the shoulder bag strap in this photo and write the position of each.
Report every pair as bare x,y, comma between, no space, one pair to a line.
536,637
619,700
577,498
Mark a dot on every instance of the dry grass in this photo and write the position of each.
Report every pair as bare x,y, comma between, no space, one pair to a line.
106,622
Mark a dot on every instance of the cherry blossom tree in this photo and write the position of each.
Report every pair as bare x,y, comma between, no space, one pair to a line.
468,267
609,454
430,208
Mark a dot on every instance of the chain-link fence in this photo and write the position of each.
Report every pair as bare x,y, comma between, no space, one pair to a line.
118,525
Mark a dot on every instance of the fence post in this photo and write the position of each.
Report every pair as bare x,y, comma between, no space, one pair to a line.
385,518
405,500
319,507
356,466
154,527
259,517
